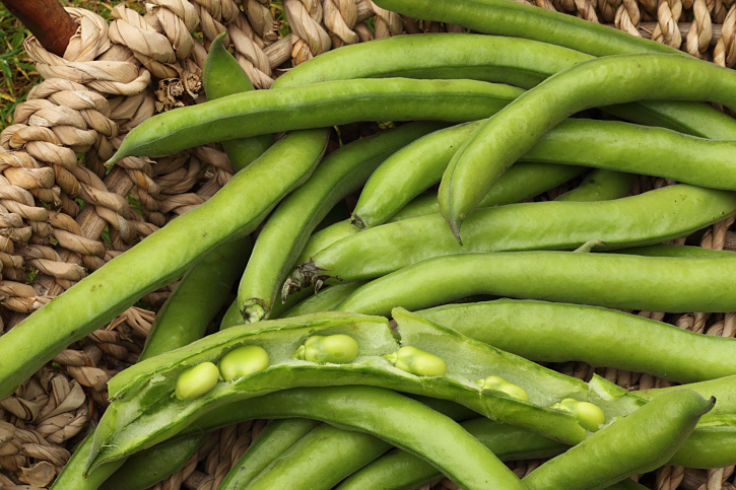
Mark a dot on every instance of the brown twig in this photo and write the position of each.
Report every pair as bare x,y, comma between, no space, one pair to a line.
47,20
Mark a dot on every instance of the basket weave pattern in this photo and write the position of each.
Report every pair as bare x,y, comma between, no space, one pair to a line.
62,214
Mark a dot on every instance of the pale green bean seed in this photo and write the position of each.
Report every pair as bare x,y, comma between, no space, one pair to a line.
196,381
417,361
243,361
338,349
497,383
588,414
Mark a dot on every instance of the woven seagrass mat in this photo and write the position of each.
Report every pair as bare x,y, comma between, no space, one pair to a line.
62,215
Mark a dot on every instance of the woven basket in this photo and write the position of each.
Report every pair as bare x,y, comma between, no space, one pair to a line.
62,215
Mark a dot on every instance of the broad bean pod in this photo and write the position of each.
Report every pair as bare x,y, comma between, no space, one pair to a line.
186,313
671,284
560,332
182,319
508,19
144,412
520,182
318,463
602,144
398,469
711,445
320,459
277,437
222,76
523,181
514,60
286,231
647,218
398,420
640,442
511,132
102,295
318,105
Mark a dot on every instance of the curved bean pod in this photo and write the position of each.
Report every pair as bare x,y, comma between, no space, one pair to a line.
118,284
181,320
602,144
398,469
560,332
637,443
522,181
676,285
197,299
321,464
508,19
184,316
517,61
129,425
277,437
512,60
320,459
317,105
222,76
511,132
519,183
398,420
650,217
287,230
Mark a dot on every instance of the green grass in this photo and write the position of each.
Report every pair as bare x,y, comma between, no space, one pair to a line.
18,73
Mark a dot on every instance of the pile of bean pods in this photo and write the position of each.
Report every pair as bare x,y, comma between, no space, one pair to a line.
415,327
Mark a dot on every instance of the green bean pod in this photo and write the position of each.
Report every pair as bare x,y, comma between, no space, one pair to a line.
517,61
398,469
637,443
144,412
325,237
474,168
320,459
651,217
601,144
181,320
200,295
560,332
676,285
285,233
316,105
275,439
600,185
159,258
523,181
330,454
222,76
398,420
500,17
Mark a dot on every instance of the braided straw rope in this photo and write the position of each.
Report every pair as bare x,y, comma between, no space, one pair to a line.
62,215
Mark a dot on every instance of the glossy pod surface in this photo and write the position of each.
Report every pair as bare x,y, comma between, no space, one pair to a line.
598,82
647,218
317,105
676,285
559,332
